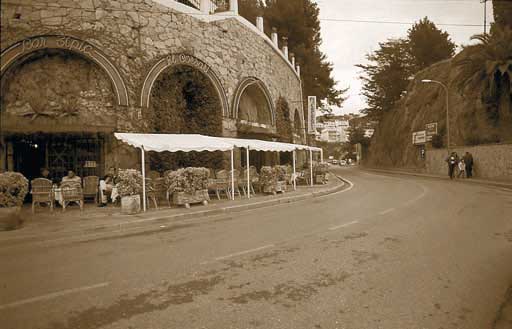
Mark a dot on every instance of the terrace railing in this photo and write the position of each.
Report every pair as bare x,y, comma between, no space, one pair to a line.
210,6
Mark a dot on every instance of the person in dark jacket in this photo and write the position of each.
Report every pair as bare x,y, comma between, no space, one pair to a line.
452,161
468,160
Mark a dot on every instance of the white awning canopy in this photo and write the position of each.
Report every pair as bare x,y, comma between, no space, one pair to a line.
199,143
174,142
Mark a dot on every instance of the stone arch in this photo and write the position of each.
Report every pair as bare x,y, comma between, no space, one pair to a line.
298,117
252,82
182,59
27,46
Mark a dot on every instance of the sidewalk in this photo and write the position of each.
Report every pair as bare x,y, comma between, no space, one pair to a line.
479,181
45,225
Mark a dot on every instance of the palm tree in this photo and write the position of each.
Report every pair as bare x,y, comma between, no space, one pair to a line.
489,64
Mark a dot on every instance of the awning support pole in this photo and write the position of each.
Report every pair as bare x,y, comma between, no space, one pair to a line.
311,165
248,175
143,179
294,172
232,174
322,155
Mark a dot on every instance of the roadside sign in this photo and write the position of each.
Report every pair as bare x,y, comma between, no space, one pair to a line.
431,129
312,115
419,137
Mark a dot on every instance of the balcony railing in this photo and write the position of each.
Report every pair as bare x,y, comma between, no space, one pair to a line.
212,6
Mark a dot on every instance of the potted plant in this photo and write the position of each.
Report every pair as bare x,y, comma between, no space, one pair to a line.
188,186
268,179
320,173
282,177
129,186
13,189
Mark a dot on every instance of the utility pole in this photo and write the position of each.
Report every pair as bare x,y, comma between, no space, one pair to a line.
485,15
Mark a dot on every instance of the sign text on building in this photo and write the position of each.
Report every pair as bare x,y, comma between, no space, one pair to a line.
312,115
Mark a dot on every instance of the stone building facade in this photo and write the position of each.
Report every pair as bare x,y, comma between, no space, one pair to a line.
76,71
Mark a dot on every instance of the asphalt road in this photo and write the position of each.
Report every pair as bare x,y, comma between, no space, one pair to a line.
389,252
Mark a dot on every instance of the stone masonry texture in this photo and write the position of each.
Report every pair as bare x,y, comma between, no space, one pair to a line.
491,161
136,34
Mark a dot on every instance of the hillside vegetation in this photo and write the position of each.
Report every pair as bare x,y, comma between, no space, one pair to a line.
480,108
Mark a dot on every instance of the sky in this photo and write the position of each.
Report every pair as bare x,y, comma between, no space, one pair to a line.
346,43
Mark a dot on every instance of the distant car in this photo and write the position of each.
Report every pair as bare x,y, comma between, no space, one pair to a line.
343,163
334,162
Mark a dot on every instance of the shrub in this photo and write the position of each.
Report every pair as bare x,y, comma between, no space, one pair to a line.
187,180
281,172
268,176
321,168
129,182
13,189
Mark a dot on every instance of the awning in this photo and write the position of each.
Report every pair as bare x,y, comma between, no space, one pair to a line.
175,142
199,143
259,145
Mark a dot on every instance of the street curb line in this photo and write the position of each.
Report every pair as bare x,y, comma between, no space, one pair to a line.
468,181
182,216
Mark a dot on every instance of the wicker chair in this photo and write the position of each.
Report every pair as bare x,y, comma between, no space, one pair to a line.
160,191
219,184
72,192
243,182
42,193
91,187
150,192
236,174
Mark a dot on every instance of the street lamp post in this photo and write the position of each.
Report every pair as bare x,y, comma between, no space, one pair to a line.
447,109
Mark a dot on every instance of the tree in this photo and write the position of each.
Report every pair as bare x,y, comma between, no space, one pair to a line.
386,76
297,22
489,63
357,136
502,12
427,44
250,9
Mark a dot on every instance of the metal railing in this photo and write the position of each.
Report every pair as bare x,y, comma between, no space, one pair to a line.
215,6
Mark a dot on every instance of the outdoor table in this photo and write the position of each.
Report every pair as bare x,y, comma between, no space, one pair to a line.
57,195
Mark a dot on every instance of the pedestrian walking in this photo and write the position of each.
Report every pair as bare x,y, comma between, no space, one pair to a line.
462,169
452,161
468,161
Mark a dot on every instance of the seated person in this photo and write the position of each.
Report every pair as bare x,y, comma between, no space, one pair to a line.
45,173
106,186
72,178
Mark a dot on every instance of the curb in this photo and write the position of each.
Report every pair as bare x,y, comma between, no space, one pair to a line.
161,219
465,181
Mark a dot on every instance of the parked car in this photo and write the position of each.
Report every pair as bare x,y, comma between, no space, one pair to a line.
334,162
343,162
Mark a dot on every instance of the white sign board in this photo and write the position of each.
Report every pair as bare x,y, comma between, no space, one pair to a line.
419,137
431,129
311,114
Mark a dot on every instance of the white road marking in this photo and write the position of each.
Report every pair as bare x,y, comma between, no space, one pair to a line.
387,211
244,252
343,225
53,295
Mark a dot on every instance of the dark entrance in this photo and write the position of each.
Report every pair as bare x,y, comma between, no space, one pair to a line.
82,153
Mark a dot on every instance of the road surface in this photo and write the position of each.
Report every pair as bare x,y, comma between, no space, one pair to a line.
388,252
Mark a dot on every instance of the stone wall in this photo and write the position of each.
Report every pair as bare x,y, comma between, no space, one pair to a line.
135,34
491,161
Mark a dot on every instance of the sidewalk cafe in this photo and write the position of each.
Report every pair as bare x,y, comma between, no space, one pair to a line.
201,143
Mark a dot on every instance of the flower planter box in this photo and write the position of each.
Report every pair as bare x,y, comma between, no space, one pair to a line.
186,199
281,186
320,179
130,205
270,188
10,219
